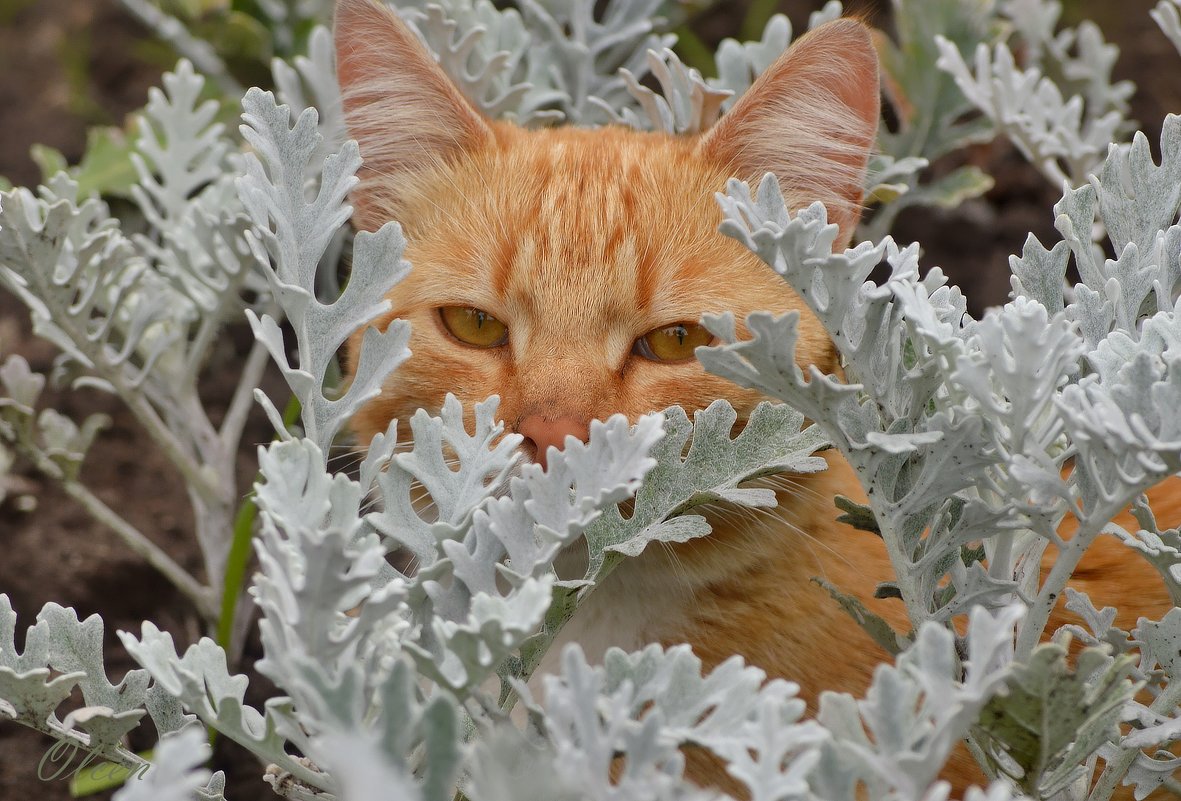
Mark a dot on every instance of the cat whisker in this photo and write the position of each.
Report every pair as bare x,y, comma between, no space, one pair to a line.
788,482
780,515
680,572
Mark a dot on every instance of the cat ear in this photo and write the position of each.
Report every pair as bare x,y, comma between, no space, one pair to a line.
811,119
402,109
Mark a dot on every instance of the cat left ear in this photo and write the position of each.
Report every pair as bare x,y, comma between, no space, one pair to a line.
811,119
403,110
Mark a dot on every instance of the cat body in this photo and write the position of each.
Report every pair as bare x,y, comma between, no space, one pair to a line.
556,267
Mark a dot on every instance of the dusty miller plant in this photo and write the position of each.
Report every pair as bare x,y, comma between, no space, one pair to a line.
974,441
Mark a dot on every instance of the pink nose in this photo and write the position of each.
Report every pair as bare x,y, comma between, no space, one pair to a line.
542,433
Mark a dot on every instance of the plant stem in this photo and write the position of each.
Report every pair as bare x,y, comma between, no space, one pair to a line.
1115,769
243,400
239,554
173,31
1034,625
133,537
173,448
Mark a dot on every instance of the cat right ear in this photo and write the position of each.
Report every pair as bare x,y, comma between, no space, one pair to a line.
403,110
811,118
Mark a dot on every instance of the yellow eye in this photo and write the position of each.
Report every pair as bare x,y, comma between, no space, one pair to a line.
473,326
674,343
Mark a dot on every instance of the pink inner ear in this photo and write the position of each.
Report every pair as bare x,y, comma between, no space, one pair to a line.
811,119
402,109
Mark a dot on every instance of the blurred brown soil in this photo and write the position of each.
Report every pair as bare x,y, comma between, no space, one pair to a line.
66,64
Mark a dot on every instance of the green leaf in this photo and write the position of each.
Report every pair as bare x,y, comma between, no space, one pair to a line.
238,36
49,160
856,515
106,168
951,190
101,776
928,104
1050,718
875,625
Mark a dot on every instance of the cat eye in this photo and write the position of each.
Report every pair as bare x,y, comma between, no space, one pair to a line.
673,343
474,327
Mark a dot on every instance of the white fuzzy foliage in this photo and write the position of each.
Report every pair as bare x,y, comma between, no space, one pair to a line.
89,292
290,236
310,82
1048,129
1167,15
650,703
686,105
974,441
485,50
180,773
915,712
549,61
63,655
961,430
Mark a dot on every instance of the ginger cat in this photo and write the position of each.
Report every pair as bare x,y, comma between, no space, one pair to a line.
565,269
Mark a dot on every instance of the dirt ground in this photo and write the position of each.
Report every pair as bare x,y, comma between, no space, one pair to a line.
65,64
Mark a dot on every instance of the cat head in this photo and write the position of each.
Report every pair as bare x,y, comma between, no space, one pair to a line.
566,269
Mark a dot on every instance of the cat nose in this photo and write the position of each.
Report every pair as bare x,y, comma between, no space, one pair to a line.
543,432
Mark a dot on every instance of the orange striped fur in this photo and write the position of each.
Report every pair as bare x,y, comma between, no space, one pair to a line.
580,241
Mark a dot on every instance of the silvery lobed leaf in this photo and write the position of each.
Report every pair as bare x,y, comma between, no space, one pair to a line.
1149,773
588,725
1167,15
461,655
1100,628
334,618
292,236
710,471
28,689
392,728
202,682
887,177
932,111
177,773
686,105
22,386
831,10
486,51
484,458
542,511
732,711
1050,717
71,652
1160,643
89,291
739,63
506,766
1161,548
997,791
180,150
577,53
1050,131
310,82
364,773
915,711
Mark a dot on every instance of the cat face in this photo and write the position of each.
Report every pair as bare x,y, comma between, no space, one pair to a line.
566,269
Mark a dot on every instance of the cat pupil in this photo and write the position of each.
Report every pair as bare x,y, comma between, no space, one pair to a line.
680,333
